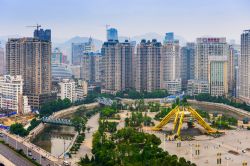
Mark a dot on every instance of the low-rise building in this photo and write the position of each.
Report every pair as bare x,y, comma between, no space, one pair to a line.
81,90
174,86
11,94
194,87
67,89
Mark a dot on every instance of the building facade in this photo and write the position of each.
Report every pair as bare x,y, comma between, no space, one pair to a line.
171,65
111,59
78,49
195,87
212,63
67,89
112,34
2,61
91,67
11,95
245,67
187,64
148,73
31,58
43,35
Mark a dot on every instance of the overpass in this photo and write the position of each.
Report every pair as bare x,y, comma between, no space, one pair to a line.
104,101
55,121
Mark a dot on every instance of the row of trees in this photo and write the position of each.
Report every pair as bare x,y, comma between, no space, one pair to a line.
133,94
220,99
130,147
54,106
137,119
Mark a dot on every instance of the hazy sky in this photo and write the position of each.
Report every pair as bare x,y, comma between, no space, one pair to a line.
68,18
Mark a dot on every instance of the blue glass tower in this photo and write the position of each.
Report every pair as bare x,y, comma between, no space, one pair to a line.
44,35
169,37
112,34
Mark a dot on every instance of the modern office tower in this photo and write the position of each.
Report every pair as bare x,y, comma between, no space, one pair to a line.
171,64
11,95
187,64
44,35
245,67
90,67
31,58
67,89
233,72
2,61
169,37
112,34
112,66
78,49
148,66
211,64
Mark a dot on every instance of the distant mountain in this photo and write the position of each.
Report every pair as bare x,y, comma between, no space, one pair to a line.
66,46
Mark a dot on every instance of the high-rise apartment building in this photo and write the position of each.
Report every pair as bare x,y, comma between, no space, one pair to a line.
245,67
148,66
78,49
127,61
11,94
171,63
2,61
233,70
187,64
112,34
112,66
211,64
117,65
90,67
31,58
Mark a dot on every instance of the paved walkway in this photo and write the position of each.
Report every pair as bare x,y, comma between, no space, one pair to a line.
86,147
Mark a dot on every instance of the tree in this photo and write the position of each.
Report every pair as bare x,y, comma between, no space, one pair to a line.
79,123
18,129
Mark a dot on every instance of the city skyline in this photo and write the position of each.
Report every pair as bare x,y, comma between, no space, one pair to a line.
89,18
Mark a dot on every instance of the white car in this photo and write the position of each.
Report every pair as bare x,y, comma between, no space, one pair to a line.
66,163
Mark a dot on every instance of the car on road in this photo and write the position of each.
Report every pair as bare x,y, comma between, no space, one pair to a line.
66,163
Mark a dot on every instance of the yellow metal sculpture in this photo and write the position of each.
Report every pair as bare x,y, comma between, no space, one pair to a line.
178,113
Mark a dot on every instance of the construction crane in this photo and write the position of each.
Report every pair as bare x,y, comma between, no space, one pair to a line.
37,26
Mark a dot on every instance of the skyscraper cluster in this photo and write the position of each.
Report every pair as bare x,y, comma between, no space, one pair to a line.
209,65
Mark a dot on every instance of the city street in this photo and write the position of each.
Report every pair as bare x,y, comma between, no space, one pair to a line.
13,157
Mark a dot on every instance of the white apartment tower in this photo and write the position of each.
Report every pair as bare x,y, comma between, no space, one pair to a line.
245,67
11,94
